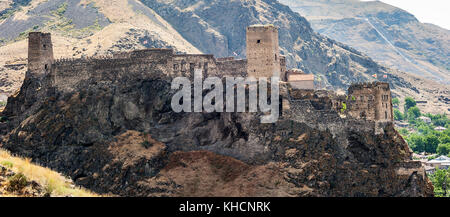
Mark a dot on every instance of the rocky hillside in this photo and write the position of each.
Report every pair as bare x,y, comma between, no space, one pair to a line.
118,134
387,34
21,178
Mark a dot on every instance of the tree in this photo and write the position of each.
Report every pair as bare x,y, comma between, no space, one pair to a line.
409,102
396,101
398,116
440,179
444,139
416,142
424,128
431,143
404,132
443,149
439,119
413,113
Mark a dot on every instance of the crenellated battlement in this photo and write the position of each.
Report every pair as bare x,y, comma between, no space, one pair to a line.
365,101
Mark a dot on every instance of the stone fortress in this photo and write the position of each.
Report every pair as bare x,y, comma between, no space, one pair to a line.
77,116
365,101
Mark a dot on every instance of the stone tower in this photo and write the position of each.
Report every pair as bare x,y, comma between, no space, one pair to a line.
40,53
263,54
370,101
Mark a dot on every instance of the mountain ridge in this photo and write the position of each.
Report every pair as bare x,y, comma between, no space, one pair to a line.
386,33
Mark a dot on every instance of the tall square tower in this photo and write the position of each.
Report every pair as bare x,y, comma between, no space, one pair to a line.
263,54
40,53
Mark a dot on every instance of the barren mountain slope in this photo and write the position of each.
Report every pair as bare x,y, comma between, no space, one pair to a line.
387,34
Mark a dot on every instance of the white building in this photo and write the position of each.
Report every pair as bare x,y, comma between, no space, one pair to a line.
440,129
442,162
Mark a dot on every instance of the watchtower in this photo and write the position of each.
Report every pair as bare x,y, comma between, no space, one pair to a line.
263,54
371,101
40,53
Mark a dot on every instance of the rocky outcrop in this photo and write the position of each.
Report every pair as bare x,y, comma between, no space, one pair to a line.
119,135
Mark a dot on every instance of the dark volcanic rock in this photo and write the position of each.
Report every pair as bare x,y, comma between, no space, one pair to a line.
119,135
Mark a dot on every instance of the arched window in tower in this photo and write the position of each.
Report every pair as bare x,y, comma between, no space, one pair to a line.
385,115
275,57
258,42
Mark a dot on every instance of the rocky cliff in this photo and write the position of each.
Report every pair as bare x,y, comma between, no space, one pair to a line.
118,134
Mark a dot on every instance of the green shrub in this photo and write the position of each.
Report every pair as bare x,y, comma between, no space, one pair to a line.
396,101
61,9
7,164
413,113
441,180
344,107
17,182
443,149
398,116
431,143
409,102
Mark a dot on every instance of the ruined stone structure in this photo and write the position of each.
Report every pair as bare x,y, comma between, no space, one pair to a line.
40,53
370,101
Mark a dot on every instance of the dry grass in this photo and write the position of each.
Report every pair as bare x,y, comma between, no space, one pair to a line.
53,182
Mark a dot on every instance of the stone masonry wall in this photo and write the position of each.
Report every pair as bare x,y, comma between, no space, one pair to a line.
40,53
370,101
263,53
67,73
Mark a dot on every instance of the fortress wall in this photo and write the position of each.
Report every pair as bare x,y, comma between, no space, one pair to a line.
313,106
185,64
321,109
303,111
79,73
68,74
233,68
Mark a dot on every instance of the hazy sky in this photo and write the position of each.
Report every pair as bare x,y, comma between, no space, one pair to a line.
427,11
